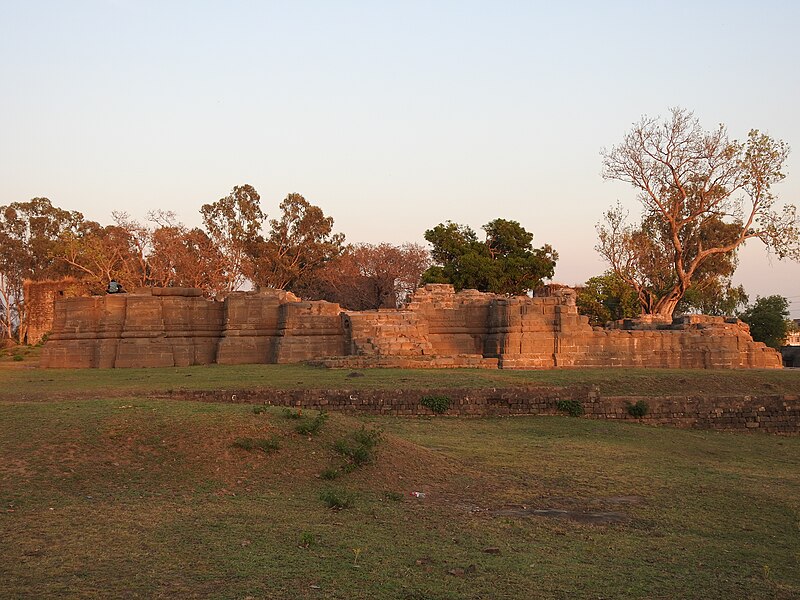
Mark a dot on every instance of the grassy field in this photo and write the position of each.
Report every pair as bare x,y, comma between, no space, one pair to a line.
131,497
21,380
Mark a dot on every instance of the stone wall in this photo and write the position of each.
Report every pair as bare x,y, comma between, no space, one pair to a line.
40,297
438,329
777,414
163,328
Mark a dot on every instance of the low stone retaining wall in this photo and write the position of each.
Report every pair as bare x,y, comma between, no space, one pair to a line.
775,413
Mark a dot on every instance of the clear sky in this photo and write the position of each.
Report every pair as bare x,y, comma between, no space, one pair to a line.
391,116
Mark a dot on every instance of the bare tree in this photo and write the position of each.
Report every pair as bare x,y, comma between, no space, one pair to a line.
703,196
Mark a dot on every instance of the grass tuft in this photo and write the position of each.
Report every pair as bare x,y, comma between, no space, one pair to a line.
262,444
337,498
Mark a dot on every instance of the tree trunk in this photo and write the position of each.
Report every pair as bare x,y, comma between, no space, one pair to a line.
665,305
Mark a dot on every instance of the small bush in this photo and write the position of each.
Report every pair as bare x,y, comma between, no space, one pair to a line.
250,444
393,496
337,498
307,539
358,446
572,407
311,426
368,438
436,404
259,410
288,413
639,409
18,357
330,474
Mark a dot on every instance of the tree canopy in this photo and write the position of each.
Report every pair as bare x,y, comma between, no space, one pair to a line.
504,263
607,298
368,276
703,195
768,319
299,242
29,235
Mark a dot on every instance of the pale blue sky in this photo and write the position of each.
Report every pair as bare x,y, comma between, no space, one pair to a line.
391,116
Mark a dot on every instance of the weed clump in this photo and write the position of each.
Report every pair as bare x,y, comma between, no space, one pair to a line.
329,474
337,498
639,409
572,407
311,426
358,448
288,413
436,404
264,445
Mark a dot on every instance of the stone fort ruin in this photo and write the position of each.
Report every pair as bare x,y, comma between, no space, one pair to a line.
439,328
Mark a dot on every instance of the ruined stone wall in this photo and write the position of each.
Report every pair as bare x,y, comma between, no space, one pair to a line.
40,297
775,413
250,332
690,342
438,329
309,330
163,328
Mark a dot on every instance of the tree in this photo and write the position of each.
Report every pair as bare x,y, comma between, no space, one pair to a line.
368,276
234,224
504,263
768,319
183,257
300,242
99,253
607,298
29,234
703,196
720,299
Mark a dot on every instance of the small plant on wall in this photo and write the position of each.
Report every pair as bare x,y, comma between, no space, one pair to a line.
436,404
639,409
572,407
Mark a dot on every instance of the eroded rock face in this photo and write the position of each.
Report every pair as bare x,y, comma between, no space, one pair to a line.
438,329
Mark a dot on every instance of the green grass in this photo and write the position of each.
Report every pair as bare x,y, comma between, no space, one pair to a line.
129,497
20,384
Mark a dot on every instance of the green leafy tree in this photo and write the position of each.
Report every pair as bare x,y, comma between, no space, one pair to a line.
703,195
607,298
768,319
718,298
504,263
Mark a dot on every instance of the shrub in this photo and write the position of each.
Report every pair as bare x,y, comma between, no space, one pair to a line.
358,447
337,498
307,539
288,413
572,407
437,404
259,410
18,357
639,409
250,444
329,474
311,426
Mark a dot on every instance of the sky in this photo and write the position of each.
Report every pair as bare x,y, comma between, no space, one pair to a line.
391,116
